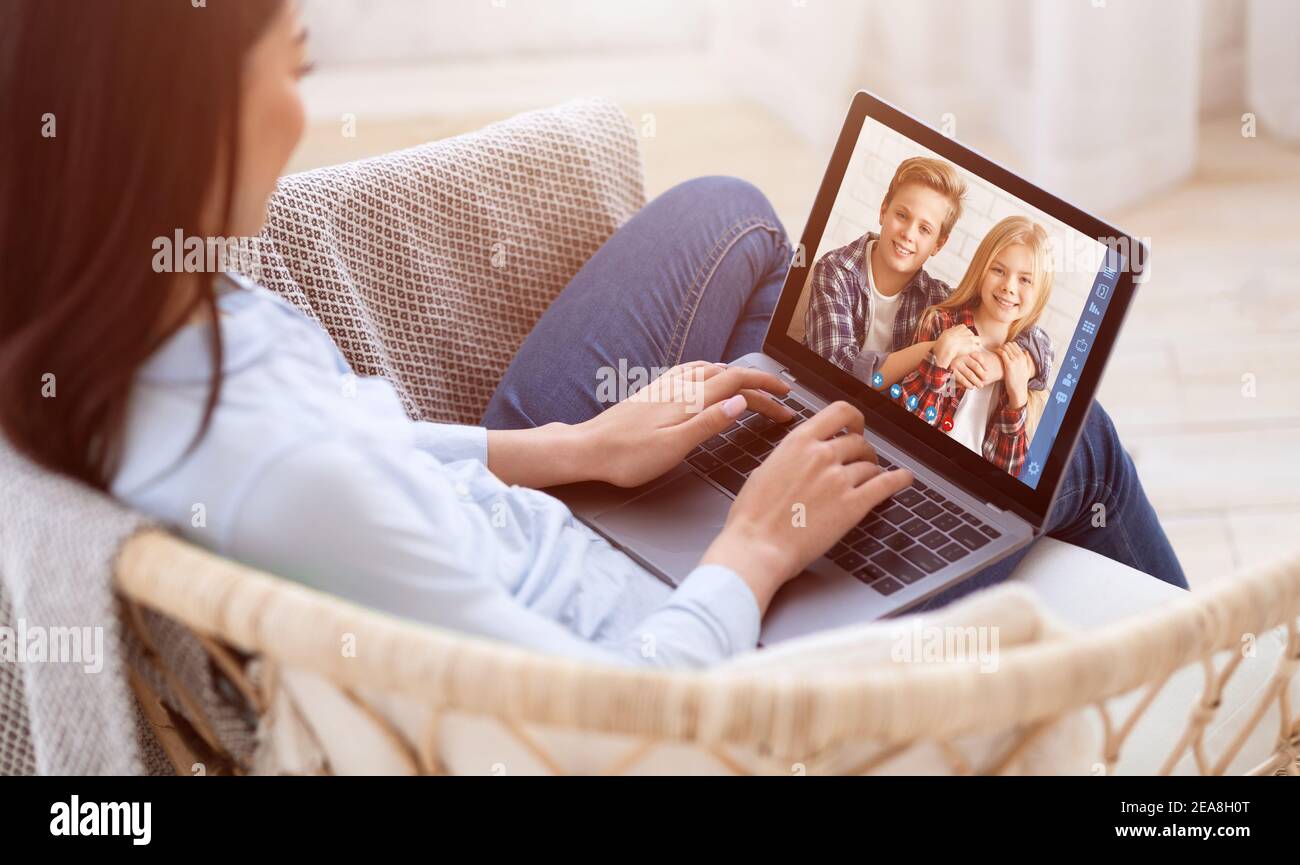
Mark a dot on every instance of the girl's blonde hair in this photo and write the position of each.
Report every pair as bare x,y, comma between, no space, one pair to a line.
1012,231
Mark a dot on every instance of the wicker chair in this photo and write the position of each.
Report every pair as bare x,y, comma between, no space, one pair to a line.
399,258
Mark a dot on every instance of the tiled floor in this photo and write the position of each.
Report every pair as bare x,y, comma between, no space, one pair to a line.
1201,385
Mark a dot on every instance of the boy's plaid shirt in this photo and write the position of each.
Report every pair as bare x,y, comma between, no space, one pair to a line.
839,315
931,393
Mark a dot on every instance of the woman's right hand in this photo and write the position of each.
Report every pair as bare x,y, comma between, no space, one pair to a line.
815,486
957,341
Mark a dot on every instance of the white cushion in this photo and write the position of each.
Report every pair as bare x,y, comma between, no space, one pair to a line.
1085,590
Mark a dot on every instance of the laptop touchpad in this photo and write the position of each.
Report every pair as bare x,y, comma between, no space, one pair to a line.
671,526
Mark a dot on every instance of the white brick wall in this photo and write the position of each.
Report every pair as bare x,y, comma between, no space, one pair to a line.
857,211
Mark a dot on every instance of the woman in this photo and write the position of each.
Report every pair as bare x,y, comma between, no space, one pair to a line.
212,406
1003,294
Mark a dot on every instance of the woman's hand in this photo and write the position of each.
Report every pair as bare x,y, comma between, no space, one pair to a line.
955,342
810,491
977,370
1017,369
644,436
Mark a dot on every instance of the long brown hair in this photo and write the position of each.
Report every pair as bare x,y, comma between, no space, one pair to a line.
118,125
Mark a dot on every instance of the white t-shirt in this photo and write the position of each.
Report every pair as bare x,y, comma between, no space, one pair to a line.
971,420
880,336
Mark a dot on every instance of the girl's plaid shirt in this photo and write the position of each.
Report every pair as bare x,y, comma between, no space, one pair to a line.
932,394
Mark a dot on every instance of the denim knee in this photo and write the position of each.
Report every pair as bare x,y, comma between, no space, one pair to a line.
1103,439
737,199
1100,465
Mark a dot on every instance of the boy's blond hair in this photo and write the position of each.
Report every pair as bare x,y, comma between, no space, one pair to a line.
933,174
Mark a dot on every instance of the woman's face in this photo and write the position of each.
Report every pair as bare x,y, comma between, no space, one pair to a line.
273,119
1008,291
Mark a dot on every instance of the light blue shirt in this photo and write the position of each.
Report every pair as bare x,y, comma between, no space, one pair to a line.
318,476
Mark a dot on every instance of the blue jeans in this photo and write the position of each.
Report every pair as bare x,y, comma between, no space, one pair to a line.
696,276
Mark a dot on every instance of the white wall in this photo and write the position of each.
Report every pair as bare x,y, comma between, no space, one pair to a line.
798,58
394,31
1273,66
1098,100
1223,57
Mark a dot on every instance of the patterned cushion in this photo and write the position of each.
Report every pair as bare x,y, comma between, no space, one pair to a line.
430,266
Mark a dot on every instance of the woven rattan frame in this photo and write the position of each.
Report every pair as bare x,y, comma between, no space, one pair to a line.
795,719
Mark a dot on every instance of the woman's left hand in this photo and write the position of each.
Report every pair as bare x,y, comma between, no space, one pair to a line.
641,438
1017,369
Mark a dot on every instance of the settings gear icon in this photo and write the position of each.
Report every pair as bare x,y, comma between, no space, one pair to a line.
1035,468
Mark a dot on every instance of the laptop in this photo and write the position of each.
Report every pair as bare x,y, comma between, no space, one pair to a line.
964,513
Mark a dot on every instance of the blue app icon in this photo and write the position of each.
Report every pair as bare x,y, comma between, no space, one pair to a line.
912,402
931,414
896,391
877,381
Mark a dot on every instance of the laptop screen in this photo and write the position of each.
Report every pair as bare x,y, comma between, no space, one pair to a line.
932,283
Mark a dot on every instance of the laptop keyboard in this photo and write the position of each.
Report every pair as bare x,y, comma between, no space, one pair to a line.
916,533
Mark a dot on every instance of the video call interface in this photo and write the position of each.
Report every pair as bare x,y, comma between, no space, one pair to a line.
968,308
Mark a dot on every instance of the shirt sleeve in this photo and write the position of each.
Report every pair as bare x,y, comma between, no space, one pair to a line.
829,321
450,443
1007,441
866,363
923,388
345,521
1038,345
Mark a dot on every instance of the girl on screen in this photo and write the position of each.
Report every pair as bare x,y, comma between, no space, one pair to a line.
1002,295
